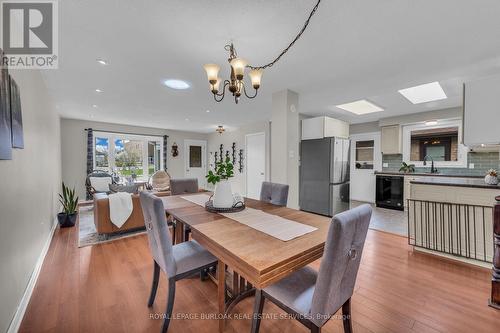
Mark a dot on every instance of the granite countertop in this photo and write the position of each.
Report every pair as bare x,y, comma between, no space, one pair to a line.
425,174
461,182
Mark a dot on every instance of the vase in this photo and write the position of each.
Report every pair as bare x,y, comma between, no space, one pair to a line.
223,195
491,180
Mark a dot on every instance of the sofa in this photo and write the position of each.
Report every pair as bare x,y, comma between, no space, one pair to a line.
102,220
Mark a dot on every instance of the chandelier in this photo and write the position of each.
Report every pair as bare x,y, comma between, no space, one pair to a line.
220,129
236,84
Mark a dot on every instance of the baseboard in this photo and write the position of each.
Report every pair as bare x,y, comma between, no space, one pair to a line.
23,304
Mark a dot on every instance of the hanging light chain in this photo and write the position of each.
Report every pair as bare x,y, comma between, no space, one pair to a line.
313,11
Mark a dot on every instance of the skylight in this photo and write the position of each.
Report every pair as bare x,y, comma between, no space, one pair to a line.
360,107
176,84
424,93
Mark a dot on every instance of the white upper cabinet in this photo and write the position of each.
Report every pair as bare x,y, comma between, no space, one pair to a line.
390,137
482,112
324,127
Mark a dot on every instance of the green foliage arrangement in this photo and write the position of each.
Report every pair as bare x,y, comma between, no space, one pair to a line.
223,170
68,199
407,167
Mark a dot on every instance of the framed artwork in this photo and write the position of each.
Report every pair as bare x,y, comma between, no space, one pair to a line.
5,121
16,115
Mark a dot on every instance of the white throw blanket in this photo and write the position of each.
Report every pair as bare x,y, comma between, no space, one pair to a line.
120,207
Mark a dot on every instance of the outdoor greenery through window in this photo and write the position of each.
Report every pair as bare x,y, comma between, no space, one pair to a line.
128,156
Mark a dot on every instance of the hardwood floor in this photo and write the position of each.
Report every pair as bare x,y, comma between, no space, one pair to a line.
104,288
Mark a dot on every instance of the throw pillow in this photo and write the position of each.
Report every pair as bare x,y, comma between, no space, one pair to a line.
100,184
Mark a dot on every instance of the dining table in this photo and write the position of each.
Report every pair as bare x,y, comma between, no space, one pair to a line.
254,258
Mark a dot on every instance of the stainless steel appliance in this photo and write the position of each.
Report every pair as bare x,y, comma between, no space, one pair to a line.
324,175
390,192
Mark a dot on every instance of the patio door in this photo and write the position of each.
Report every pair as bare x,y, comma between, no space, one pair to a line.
196,160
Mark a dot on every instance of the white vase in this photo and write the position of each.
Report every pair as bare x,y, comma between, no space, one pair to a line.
223,195
491,180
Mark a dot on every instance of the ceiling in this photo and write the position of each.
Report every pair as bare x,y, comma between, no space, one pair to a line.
353,49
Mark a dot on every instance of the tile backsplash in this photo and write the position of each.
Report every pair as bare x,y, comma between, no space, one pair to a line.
483,161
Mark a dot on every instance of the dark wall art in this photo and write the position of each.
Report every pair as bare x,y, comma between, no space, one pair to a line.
16,115
5,121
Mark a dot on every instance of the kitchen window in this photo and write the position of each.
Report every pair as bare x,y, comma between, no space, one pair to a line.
440,143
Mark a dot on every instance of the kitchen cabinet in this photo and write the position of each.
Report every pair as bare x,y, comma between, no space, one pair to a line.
391,141
481,109
324,127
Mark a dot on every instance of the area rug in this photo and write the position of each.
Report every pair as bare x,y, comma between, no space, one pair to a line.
87,233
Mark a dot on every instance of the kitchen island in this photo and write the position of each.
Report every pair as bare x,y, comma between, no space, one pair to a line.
452,217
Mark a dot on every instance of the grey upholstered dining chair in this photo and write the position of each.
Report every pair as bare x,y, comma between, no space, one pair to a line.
274,193
184,186
177,261
313,297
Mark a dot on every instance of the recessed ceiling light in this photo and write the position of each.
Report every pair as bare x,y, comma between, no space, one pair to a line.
360,107
99,90
187,119
94,106
102,62
431,122
208,111
424,93
176,84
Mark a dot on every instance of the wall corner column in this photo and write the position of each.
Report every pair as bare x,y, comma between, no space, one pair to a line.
285,138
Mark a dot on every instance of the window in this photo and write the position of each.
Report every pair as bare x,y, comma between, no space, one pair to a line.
101,153
128,155
364,154
440,143
195,156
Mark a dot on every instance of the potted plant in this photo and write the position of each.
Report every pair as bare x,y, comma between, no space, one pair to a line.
67,218
492,177
407,168
223,195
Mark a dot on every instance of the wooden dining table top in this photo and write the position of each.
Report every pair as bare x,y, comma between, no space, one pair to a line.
260,258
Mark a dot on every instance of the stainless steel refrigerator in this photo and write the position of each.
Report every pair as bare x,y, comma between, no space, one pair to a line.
324,175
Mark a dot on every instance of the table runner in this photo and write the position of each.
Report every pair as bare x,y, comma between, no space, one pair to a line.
272,225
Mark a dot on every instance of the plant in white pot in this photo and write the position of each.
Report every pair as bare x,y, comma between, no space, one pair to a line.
223,195
492,177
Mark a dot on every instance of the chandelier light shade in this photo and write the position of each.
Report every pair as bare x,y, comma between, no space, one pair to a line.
255,77
236,84
238,66
212,72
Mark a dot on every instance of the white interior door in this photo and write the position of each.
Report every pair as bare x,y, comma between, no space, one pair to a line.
366,158
255,147
195,158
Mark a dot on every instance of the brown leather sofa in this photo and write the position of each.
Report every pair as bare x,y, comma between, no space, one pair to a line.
103,222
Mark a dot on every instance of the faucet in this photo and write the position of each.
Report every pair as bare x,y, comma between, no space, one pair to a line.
433,169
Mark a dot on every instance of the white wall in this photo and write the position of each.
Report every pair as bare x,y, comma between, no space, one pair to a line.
285,138
28,199
238,182
74,148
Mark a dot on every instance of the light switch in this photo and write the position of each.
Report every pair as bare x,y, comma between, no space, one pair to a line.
291,154
385,165
471,165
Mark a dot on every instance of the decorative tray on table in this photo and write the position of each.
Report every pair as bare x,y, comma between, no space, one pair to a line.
237,207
